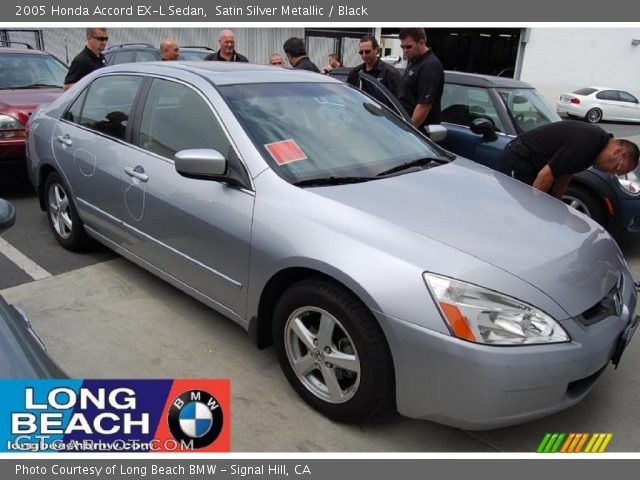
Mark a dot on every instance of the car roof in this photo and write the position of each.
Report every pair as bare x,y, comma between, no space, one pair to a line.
478,80
223,73
21,50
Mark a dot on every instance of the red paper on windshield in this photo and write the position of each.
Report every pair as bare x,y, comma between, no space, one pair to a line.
286,151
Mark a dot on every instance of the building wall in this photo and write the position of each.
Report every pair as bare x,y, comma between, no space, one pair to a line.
557,60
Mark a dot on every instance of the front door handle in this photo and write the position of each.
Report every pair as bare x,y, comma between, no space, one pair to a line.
137,172
65,139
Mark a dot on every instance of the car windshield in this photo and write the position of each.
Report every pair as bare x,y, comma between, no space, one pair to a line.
527,107
30,71
319,130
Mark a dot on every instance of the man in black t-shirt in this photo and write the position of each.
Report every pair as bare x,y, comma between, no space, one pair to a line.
227,51
381,71
546,157
89,59
296,53
423,81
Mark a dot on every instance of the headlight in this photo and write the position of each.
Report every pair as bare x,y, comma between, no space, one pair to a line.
483,316
630,183
10,127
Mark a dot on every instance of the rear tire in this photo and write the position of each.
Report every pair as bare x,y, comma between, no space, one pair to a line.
63,216
594,115
332,351
585,201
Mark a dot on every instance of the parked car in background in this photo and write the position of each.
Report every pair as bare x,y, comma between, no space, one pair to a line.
22,353
143,52
600,103
28,78
482,114
384,273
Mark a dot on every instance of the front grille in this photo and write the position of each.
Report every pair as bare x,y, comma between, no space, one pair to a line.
609,306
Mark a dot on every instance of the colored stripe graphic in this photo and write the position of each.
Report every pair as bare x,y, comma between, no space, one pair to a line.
574,443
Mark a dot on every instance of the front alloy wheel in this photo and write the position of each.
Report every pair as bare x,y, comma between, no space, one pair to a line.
60,211
322,354
333,351
63,216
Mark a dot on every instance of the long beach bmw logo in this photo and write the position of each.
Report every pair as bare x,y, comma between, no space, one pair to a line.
195,416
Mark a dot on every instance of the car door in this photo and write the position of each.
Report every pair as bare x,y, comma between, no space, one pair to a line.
90,143
610,105
630,106
193,230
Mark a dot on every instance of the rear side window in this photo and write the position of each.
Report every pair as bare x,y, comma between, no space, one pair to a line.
608,95
585,91
107,106
177,118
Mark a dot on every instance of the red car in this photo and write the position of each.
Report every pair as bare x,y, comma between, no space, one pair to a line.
28,78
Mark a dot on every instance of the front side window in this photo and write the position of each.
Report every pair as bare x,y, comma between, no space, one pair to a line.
123,57
627,97
307,131
527,108
177,118
108,105
462,105
145,56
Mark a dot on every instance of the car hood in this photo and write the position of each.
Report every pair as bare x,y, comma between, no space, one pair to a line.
27,100
499,220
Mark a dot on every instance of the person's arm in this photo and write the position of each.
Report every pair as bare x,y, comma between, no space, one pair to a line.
561,185
544,180
420,113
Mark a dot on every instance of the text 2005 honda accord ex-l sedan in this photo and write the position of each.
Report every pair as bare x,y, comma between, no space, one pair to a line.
385,274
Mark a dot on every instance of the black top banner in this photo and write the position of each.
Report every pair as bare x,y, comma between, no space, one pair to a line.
325,11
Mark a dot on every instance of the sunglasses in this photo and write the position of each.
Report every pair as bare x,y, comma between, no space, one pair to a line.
277,63
364,52
407,47
101,39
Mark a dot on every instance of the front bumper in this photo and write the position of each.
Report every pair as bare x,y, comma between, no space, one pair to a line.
480,387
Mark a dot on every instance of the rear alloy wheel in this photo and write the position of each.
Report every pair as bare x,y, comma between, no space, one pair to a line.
585,202
332,351
594,115
63,216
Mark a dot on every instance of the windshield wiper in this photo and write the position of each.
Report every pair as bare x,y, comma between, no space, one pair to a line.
331,181
421,162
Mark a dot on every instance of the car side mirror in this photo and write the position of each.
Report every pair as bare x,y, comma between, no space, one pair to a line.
436,133
484,127
201,163
7,215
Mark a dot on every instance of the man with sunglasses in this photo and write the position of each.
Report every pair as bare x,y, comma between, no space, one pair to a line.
381,71
546,157
423,80
90,58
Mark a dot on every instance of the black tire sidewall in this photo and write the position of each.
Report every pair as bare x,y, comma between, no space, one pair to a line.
596,209
376,378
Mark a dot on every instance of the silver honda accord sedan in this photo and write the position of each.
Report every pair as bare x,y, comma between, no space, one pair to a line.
386,272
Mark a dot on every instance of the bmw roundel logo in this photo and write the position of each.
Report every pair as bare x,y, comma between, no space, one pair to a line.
195,417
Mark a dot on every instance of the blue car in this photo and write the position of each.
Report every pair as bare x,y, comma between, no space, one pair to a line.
482,114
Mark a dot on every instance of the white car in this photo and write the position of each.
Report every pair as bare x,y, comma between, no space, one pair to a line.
600,103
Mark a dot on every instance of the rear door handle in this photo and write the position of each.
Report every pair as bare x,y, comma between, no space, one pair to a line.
137,172
65,139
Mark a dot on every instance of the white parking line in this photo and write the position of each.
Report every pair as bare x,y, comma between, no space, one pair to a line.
27,265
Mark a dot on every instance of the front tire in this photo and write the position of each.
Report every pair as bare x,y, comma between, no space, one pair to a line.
594,115
332,351
63,216
585,202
